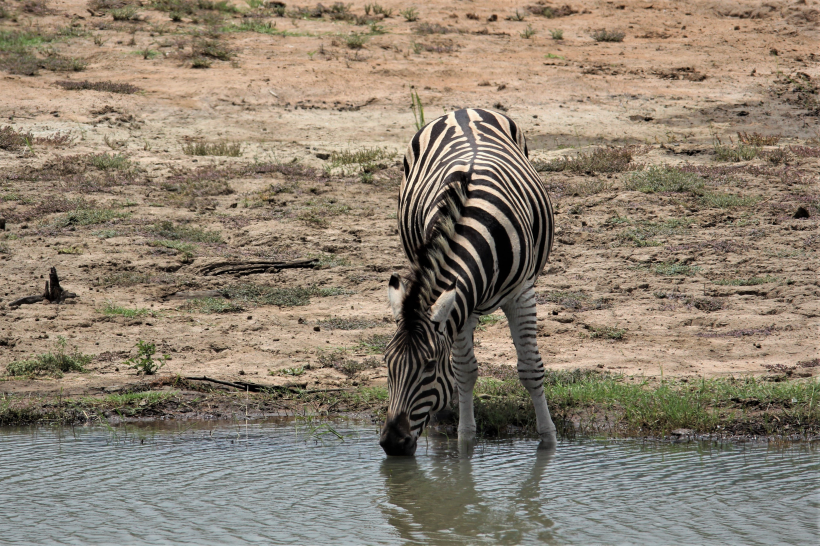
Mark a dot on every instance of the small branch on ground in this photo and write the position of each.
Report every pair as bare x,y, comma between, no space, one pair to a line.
240,269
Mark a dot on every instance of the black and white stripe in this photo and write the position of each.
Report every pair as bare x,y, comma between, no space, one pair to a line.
477,226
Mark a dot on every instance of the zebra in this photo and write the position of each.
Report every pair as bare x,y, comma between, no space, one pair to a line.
476,223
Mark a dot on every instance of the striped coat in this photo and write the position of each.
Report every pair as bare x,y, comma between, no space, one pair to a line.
477,227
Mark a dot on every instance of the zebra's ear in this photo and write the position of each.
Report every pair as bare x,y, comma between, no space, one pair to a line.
395,294
440,311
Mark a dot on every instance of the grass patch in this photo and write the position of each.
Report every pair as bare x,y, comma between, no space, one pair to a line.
410,14
751,281
338,360
224,149
601,160
489,320
87,217
354,40
186,249
112,309
296,371
26,53
141,399
125,13
11,139
105,86
722,406
362,156
734,154
210,49
656,179
189,186
255,294
133,278
317,211
106,162
643,234
606,332
212,305
375,344
608,36
347,324
169,231
51,364
727,200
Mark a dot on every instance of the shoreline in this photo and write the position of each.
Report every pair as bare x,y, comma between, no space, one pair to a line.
502,408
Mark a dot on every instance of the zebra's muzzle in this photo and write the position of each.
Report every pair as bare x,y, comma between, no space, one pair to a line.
396,439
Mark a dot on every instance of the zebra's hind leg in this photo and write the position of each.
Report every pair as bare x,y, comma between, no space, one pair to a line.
465,368
521,315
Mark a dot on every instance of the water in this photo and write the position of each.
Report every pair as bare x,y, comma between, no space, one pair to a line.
274,483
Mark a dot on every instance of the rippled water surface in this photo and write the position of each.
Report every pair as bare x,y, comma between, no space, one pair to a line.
288,483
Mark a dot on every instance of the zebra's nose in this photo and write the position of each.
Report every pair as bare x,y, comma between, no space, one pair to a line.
396,440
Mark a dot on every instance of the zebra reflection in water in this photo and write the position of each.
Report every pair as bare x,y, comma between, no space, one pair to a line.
441,504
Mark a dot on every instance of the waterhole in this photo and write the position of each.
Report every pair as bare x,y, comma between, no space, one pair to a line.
307,482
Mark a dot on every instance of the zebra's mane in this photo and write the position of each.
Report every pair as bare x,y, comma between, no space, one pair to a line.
429,257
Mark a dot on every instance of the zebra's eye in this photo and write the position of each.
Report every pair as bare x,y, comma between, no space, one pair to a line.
429,366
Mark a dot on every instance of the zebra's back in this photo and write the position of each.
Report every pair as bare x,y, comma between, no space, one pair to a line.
467,178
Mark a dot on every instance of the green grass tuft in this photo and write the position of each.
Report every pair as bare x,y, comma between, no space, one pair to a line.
52,364
657,179
375,344
223,149
751,281
283,297
87,217
112,309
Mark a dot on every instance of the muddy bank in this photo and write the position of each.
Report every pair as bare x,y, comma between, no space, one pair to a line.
581,403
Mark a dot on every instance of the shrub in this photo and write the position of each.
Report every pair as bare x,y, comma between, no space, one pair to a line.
223,149
144,361
410,14
108,86
354,40
608,36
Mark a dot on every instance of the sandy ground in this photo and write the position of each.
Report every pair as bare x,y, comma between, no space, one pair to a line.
686,73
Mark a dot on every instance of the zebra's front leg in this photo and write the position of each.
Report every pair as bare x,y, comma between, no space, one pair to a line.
465,368
521,315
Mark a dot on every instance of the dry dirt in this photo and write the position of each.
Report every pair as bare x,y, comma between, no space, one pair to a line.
686,74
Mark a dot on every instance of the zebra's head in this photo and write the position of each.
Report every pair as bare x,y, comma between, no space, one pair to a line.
419,373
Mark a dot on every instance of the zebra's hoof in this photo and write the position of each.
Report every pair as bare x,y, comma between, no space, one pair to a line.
549,440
